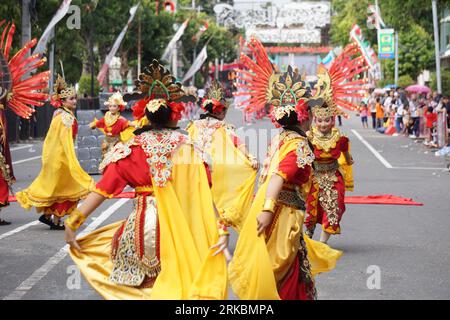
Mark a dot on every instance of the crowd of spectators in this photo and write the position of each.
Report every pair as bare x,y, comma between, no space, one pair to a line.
411,114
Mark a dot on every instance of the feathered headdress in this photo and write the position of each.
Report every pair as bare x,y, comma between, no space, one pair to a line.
157,88
257,79
289,94
339,84
21,94
215,96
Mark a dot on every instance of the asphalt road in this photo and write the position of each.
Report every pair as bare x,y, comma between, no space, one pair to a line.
390,252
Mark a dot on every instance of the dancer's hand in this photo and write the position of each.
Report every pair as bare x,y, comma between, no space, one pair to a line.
69,236
255,164
264,220
222,245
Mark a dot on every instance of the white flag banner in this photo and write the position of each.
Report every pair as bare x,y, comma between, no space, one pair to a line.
199,61
102,74
42,43
169,49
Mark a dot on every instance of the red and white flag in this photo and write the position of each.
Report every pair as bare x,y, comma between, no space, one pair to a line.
169,49
199,61
62,11
199,33
102,74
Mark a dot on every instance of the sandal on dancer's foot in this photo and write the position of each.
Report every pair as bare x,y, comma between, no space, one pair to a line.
57,227
45,220
4,222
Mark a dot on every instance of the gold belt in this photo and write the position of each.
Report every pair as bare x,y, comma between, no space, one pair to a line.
143,189
292,199
322,167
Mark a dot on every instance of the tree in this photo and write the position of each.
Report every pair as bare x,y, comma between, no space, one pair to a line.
411,18
445,78
416,53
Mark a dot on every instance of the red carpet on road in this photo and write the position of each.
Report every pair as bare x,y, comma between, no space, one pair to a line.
387,199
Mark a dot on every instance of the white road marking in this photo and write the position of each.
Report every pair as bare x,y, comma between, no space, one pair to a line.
420,168
26,160
40,273
372,149
31,159
17,230
384,161
21,147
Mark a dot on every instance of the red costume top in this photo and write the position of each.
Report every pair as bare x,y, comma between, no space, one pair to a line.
132,170
112,125
328,184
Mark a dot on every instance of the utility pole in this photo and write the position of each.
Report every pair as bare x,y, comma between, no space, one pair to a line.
396,58
139,43
26,24
175,51
436,46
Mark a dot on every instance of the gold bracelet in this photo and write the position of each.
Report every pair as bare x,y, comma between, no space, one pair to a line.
75,220
269,205
222,228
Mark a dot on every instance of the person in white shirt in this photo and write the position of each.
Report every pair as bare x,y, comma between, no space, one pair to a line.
387,105
415,116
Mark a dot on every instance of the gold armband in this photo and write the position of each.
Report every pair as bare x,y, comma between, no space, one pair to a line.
222,228
75,220
269,205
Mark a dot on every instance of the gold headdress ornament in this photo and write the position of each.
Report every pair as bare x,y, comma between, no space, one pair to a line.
115,99
156,88
287,91
62,90
159,85
215,95
322,102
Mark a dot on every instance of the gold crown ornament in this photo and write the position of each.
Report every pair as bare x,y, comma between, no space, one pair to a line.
322,103
216,92
287,91
62,90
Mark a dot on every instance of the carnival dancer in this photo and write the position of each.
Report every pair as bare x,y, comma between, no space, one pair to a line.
233,168
273,260
112,124
19,95
6,178
325,203
61,182
170,246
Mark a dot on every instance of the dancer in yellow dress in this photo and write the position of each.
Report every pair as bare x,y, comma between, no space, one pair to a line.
169,247
273,260
233,168
61,182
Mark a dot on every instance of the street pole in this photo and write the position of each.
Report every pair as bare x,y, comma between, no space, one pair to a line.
436,46
396,58
139,44
51,61
26,26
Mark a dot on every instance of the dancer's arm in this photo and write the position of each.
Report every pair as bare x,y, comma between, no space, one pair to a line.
92,202
273,190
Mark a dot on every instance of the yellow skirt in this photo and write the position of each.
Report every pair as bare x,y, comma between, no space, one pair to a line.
96,265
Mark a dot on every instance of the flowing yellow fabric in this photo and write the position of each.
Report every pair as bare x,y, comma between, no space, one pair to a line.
61,177
346,171
128,133
233,178
256,266
187,231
